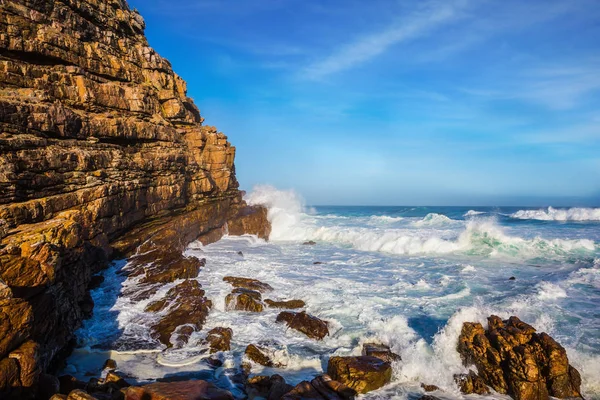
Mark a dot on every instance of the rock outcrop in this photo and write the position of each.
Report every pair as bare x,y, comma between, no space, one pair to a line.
312,327
101,153
362,373
513,359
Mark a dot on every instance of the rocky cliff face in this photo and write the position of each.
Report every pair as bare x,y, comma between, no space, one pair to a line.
101,151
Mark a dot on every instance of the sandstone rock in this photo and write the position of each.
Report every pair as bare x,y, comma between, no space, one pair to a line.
362,374
244,300
80,395
320,388
429,388
110,365
248,283
512,358
250,220
312,327
288,304
258,355
471,383
270,388
187,306
219,339
380,351
186,390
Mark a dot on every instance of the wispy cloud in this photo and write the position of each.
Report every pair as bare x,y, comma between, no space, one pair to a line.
429,17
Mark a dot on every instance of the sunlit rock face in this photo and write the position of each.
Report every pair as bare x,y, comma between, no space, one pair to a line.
100,150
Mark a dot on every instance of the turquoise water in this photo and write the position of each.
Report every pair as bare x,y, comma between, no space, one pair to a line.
405,276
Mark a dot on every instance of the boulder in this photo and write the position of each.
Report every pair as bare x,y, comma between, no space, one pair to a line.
380,351
471,383
513,359
185,390
270,388
362,373
312,327
188,309
320,388
244,300
429,388
288,304
219,339
258,355
248,283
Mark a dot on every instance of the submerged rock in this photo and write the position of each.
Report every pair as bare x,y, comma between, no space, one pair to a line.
309,243
312,327
513,359
219,339
362,373
248,283
244,300
380,351
186,390
288,304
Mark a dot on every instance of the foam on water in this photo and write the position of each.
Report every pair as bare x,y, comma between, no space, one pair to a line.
554,214
382,278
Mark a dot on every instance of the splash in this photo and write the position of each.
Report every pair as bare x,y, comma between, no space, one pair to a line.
554,214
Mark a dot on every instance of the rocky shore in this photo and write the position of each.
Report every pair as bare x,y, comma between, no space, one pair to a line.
103,157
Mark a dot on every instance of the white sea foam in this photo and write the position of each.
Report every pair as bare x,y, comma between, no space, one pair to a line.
550,291
385,219
433,219
554,214
473,213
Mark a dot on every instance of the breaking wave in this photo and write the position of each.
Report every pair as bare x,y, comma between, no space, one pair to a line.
480,237
472,213
554,214
433,219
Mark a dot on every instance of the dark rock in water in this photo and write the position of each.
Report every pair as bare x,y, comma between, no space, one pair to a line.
95,282
244,300
362,374
317,263
471,383
219,339
59,397
513,359
288,304
321,388
80,395
69,383
185,390
309,243
109,364
258,355
240,254
87,306
512,278
188,307
380,351
270,388
48,385
428,397
248,283
312,327
429,388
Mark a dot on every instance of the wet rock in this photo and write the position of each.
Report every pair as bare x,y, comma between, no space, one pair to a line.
380,351
240,254
250,220
428,397
59,397
95,282
317,263
187,306
270,388
512,278
429,388
471,383
110,365
244,300
69,383
362,373
186,390
219,339
288,304
80,395
321,388
258,355
87,306
248,283
513,359
158,266
312,327
309,243
48,385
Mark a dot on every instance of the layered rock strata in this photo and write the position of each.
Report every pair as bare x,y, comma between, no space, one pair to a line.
102,154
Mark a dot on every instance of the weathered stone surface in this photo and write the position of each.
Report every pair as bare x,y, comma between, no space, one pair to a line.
102,154
471,383
288,304
321,388
429,388
362,374
219,339
513,359
258,355
248,283
380,351
244,300
188,309
270,388
187,390
80,395
312,327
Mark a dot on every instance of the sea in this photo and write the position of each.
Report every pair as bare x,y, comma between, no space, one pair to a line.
404,276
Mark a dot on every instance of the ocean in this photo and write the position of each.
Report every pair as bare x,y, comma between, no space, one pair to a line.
404,276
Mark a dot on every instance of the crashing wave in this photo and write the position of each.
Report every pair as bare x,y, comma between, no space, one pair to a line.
433,219
554,214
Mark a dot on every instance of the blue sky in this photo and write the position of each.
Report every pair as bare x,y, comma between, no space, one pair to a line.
442,102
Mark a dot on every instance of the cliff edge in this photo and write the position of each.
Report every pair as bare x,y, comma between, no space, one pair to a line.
101,151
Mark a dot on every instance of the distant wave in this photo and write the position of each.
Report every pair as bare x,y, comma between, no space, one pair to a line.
553,214
479,237
385,219
472,213
433,219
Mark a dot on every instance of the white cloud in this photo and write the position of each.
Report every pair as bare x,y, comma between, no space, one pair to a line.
429,17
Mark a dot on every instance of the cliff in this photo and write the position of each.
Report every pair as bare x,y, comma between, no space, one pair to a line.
101,151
